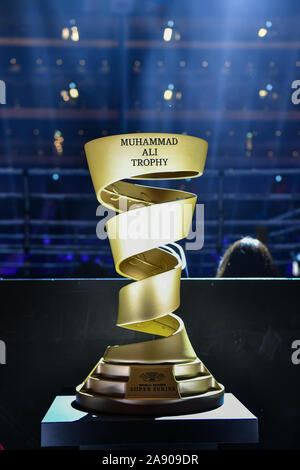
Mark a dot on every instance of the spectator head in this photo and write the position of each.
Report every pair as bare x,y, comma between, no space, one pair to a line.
247,257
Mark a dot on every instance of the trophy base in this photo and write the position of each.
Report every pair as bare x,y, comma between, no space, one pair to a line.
149,389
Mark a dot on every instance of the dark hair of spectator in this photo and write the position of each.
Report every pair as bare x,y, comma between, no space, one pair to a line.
247,257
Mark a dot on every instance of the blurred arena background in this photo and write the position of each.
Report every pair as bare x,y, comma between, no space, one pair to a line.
79,70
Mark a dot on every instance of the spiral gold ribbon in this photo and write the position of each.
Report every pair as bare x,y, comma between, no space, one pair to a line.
147,305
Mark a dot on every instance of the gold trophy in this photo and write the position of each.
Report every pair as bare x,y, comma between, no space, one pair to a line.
162,376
